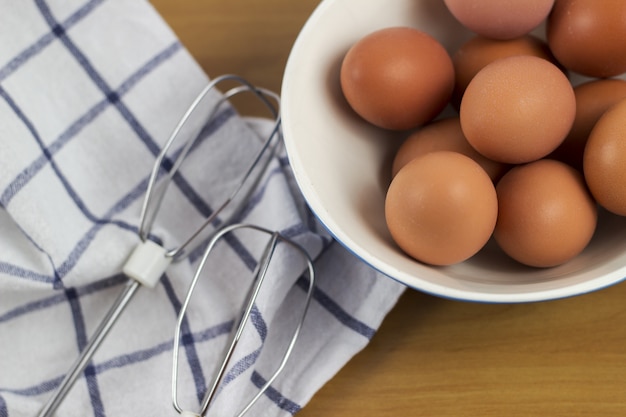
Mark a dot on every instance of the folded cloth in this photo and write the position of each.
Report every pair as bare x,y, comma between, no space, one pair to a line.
90,90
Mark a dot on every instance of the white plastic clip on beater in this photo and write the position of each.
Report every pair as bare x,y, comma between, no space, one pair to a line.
149,260
259,276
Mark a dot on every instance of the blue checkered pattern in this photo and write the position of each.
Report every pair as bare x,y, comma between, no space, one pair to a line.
89,92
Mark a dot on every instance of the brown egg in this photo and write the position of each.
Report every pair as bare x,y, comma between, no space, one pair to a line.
479,51
397,78
593,98
443,135
517,109
441,208
604,160
545,213
500,19
589,37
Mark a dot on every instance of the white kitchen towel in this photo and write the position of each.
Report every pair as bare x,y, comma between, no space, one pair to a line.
90,90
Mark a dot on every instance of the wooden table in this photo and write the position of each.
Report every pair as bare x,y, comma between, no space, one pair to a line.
433,357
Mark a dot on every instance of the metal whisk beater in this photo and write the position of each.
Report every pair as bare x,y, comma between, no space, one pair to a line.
259,276
149,260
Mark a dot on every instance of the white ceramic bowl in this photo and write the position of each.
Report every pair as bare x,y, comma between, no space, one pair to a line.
341,164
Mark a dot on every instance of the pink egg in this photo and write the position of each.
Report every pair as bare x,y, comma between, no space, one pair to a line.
500,19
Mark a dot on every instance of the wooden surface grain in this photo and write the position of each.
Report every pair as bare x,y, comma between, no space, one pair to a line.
432,357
